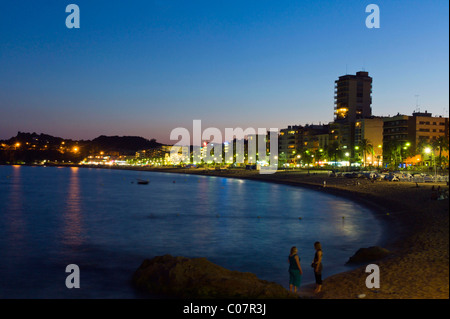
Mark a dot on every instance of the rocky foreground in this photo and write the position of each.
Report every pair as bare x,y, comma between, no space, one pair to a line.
183,277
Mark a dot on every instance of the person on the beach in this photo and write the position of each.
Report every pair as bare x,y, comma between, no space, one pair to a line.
434,194
317,266
295,270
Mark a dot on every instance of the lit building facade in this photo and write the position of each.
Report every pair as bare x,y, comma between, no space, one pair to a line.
353,100
417,130
289,142
371,129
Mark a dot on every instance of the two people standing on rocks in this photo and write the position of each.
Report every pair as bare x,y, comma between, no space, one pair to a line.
317,266
296,272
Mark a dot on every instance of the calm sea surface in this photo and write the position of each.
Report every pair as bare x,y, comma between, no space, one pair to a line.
107,224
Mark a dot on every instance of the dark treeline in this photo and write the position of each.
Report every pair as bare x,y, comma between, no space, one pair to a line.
37,156
30,148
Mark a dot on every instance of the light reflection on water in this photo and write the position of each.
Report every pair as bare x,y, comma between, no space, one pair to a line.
13,202
107,224
73,226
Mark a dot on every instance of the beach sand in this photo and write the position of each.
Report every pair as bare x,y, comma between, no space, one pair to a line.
416,232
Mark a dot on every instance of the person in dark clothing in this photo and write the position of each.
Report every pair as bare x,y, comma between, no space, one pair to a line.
295,270
317,266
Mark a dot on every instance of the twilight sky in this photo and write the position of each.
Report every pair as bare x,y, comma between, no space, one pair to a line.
145,67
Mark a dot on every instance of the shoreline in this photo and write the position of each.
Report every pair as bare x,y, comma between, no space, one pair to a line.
415,229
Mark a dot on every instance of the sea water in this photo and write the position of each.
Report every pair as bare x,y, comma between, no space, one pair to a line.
105,223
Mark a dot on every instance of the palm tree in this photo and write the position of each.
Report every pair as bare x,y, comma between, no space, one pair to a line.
391,152
282,159
306,156
366,147
318,155
333,151
421,146
442,144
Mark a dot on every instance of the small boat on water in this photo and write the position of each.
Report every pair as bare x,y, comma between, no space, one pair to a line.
142,181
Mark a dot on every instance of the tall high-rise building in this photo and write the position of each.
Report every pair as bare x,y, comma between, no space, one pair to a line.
353,100
353,97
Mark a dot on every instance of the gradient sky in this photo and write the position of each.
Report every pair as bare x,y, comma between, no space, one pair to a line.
146,67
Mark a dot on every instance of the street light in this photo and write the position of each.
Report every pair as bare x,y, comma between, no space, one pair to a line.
297,160
347,154
428,150
407,145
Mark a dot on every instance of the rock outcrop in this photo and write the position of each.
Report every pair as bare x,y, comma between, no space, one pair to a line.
370,254
183,277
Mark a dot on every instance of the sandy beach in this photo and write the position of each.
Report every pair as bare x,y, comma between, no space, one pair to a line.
416,232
